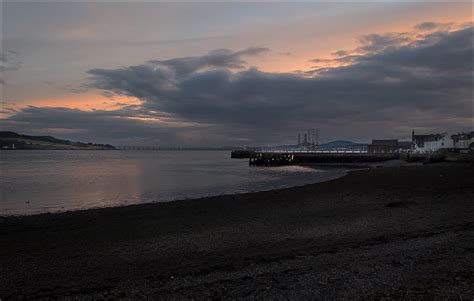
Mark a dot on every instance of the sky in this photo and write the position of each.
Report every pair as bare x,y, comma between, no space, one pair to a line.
220,73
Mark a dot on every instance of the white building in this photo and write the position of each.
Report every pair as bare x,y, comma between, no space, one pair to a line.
425,144
439,141
463,142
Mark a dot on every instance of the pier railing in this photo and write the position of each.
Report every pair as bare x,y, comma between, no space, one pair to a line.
276,158
317,151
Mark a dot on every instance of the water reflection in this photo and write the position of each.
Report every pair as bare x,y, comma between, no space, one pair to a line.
49,181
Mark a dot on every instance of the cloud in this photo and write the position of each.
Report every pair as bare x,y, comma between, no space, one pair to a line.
222,58
450,52
390,84
340,53
127,126
431,26
8,62
380,42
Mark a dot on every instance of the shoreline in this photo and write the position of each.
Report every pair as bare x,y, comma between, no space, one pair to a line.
347,169
179,199
393,232
326,166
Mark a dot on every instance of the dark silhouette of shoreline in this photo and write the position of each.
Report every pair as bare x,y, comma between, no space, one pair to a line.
15,141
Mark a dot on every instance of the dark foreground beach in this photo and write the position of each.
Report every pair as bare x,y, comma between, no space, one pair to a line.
398,232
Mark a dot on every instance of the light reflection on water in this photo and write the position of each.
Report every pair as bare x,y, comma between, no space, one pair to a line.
50,181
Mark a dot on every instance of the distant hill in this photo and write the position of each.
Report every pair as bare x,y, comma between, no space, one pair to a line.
12,140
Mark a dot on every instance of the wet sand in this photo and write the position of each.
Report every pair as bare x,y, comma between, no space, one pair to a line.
396,232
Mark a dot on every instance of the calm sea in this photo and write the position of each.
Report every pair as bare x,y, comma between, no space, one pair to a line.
51,181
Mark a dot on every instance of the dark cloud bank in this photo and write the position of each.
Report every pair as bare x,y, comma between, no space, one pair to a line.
394,83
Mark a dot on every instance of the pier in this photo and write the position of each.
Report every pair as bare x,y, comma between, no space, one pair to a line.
315,157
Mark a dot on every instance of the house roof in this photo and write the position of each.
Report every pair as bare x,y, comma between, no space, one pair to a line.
435,137
463,136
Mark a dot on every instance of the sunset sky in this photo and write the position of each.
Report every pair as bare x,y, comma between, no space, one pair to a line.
210,74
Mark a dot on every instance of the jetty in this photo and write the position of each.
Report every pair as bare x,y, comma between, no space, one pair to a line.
278,158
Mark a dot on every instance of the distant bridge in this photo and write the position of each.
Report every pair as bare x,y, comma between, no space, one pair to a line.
168,148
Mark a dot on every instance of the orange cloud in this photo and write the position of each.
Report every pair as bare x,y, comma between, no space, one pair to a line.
374,43
88,101
348,39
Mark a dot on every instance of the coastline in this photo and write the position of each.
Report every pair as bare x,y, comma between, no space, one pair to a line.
394,232
326,173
